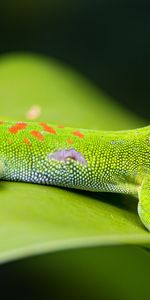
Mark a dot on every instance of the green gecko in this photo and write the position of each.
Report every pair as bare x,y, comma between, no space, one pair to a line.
111,161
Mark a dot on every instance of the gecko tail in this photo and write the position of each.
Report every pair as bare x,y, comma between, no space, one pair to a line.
144,202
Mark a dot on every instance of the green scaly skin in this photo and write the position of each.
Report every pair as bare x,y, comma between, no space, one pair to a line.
111,161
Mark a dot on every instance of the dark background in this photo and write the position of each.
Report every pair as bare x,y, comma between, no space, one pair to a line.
107,41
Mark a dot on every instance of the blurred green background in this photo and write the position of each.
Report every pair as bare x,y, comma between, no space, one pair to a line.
109,43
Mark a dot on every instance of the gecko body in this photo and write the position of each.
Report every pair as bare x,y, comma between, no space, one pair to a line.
113,161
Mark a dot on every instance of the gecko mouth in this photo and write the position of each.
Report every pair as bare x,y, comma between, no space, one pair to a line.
64,154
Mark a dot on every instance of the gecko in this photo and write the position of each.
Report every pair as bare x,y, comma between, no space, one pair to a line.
91,160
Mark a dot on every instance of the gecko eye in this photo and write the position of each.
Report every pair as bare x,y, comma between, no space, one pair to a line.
64,154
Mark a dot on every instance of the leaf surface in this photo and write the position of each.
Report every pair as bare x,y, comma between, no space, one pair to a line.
38,219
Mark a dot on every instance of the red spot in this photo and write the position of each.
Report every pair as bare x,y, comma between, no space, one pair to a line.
79,134
48,128
1,122
27,142
61,126
38,135
17,127
69,141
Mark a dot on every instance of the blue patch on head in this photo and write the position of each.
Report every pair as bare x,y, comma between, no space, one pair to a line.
64,154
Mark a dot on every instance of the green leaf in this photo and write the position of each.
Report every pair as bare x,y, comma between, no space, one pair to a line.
37,219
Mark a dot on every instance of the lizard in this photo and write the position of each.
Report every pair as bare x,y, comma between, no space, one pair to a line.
92,160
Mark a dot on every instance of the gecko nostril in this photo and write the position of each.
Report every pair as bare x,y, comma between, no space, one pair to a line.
64,154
